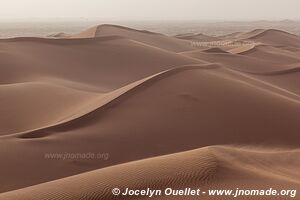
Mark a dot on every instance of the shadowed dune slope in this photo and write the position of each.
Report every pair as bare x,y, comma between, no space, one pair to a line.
171,112
97,64
31,105
67,74
196,75
26,98
225,167
215,50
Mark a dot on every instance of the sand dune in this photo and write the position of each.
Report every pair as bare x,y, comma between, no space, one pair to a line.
273,65
182,96
251,34
289,79
273,54
52,104
241,49
54,64
59,35
95,62
257,59
167,114
238,62
89,33
197,37
277,38
231,36
153,39
206,167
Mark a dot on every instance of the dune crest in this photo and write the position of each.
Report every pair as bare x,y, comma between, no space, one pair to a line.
165,112
153,39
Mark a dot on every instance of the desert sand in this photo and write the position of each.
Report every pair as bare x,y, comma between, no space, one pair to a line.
169,113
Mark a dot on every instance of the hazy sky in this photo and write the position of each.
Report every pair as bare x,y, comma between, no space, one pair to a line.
152,9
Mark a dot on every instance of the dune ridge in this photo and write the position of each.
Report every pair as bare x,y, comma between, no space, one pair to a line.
154,39
107,98
167,113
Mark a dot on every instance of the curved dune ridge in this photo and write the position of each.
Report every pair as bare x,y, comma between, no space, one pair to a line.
112,96
196,125
18,100
153,39
166,113
207,167
98,101
135,61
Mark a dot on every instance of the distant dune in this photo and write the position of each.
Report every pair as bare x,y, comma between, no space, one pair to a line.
59,35
146,37
168,113
277,38
197,37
